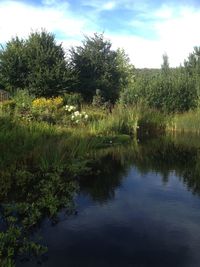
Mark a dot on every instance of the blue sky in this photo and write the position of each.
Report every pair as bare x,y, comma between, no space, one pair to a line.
145,29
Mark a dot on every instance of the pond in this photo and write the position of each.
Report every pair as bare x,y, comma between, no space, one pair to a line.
141,207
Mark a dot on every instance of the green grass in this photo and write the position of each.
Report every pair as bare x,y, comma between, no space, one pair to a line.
121,121
188,122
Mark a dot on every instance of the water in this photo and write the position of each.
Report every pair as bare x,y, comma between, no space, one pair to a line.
142,209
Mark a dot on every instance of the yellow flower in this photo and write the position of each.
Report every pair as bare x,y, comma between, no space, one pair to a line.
49,103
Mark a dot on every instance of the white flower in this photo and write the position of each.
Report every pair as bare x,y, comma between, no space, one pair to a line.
70,108
76,113
72,117
77,121
86,116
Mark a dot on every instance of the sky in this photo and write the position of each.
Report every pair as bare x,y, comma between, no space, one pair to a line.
145,29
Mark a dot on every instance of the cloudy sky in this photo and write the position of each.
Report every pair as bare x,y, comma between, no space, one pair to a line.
145,29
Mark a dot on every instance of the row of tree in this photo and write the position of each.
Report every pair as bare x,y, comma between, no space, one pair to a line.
41,66
167,89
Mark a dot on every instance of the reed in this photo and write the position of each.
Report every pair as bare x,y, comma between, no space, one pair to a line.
188,122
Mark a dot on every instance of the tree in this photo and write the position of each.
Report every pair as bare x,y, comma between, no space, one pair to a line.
192,65
37,64
46,64
165,65
97,66
13,65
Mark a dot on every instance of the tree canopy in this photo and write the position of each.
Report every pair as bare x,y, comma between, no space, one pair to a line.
37,64
97,66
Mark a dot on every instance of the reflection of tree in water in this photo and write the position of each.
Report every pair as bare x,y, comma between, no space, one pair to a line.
162,156
110,166
102,185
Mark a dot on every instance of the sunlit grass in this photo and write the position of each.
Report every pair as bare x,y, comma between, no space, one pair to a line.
186,122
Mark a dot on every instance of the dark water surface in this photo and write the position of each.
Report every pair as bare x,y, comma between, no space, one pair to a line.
142,209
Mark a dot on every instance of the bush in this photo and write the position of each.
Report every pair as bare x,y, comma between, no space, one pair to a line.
98,100
122,120
47,109
7,106
151,121
47,103
74,99
23,104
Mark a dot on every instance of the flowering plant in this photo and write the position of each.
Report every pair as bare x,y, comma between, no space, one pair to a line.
47,103
70,108
79,117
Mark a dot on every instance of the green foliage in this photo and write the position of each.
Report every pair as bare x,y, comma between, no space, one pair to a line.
97,66
192,66
151,122
122,120
23,100
37,64
46,64
165,65
186,122
169,90
13,65
98,99
74,99
7,107
39,157
172,92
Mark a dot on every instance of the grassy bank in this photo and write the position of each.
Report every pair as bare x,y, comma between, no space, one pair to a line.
188,122
54,116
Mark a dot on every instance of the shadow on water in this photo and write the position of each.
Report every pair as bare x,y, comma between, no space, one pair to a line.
138,205
179,154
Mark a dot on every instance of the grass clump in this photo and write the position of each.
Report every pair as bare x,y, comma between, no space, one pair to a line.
188,122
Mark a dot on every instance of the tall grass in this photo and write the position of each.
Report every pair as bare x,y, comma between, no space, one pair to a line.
188,122
122,120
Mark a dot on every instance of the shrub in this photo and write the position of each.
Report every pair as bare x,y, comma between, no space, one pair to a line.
98,99
74,99
151,121
47,103
122,120
186,122
47,109
23,100
7,106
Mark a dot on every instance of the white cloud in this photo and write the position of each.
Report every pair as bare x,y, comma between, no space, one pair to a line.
179,35
176,29
49,2
99,5
175,35
165,12
19,19
142,52
109,6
